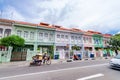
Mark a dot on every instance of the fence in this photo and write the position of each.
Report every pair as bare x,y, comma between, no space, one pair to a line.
81,54
30,54
5,56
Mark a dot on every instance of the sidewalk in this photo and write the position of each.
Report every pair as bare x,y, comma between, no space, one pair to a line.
26,63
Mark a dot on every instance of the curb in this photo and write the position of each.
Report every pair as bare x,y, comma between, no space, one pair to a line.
26,63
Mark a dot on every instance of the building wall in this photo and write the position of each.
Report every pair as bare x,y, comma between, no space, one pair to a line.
105,40
26,32
76,39
5,31
98,41
62,38
42,36
45,36
87,41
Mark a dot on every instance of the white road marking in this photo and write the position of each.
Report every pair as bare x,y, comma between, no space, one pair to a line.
29,74
92,76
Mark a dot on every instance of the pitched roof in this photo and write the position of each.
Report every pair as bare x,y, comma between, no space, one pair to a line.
94,32
107,35
43,24
57,27
17,22
88,33
76,30
6,20
25,23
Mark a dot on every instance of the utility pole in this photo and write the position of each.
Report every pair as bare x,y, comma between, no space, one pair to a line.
11,15
1,13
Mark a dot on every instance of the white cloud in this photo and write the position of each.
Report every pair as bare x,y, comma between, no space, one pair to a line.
99,15
118,32
10,12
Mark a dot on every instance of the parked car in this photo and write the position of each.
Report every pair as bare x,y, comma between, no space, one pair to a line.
115,62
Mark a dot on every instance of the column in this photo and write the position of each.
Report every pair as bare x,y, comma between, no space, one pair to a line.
3,32
82,54
9,54
35,48
69,51
0,57
54,50
93,51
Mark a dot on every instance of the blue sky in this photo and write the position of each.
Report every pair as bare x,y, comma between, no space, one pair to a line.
98,15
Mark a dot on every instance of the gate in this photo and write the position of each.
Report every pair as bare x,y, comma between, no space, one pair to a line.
19,55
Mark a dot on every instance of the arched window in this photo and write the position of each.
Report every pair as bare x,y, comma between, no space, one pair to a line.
7,32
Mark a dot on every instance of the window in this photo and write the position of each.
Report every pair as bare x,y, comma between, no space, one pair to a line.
79,39
96,41
84,40
7,32
32,35
26,34
19,33
72,37
40,36
62,36
66,36
46,35
90,40
1,30
51,37
75,37
105,41
58,36
87,39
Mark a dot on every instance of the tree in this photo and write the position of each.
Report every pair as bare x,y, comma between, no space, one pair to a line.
115,42
75,47
13,40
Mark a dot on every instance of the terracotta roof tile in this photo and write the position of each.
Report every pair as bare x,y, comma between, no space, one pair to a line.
76,30
88,33
107,35
43,24
25,23
6,20
57,27
94,32
18,22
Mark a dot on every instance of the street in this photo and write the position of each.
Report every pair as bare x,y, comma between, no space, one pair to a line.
78,70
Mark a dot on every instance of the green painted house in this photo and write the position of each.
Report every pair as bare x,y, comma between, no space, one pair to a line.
38,39
98,40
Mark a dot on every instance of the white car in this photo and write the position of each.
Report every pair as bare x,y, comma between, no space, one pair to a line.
115,62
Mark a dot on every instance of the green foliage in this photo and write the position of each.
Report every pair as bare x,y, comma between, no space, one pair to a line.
115,41
51,51
75,47
13,40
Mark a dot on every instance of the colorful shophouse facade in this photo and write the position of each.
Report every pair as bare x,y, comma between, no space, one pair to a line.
5,30
43,37
39,38
65,39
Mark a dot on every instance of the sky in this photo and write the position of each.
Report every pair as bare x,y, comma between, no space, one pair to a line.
98,15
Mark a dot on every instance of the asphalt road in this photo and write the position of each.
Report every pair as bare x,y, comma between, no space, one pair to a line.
79,70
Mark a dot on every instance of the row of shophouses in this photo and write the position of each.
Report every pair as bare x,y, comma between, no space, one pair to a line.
56,40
